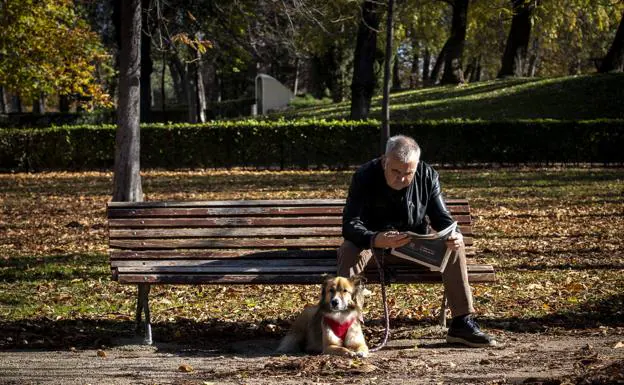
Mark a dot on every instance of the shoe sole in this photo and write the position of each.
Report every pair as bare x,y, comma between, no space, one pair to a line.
459,340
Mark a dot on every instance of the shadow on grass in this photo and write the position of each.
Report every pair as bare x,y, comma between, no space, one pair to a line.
217,336
54,267
224,337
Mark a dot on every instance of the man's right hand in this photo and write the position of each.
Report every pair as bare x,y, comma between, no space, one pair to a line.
390,239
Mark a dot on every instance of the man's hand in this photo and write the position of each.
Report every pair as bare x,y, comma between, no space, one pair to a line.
455,241
390,239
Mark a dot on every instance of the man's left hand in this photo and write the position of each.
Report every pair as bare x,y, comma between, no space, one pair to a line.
455,241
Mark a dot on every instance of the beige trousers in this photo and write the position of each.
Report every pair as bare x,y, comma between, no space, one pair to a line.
352,261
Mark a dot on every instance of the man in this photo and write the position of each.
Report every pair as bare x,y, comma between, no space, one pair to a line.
391,195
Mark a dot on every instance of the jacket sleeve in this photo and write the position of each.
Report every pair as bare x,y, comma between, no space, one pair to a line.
437,211
353,228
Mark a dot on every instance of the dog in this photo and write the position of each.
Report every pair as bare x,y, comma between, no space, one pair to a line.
334,326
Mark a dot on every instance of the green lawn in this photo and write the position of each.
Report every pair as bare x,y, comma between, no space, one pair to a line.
572,97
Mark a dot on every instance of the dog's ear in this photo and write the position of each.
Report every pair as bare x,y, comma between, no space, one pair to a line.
324,288
358,294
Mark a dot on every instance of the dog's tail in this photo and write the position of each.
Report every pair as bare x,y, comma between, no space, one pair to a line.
289,344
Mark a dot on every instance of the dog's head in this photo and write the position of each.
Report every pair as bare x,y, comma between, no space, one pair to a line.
341,294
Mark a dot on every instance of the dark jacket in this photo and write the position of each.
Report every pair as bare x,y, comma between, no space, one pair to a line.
373,206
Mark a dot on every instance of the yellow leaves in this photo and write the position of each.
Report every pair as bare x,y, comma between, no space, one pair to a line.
185,368
51,51
199,45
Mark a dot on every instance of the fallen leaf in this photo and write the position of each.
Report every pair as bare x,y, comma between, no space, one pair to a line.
365,368
185,368
101,353
619,345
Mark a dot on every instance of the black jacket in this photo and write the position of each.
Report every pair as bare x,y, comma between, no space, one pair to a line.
373,206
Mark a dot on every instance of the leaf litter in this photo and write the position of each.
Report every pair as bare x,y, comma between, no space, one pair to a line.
553,234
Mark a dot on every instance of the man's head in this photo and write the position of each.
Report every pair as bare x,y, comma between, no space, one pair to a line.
400,161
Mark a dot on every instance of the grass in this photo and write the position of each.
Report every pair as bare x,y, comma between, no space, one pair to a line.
572,97
553,234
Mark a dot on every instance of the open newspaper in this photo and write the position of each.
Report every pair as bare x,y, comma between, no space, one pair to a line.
427,249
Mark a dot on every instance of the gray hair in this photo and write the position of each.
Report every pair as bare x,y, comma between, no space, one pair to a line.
403,148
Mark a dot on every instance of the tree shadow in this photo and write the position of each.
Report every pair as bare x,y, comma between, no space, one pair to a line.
183,336
608,312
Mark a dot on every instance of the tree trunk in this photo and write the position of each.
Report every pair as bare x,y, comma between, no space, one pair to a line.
414,72
64,103
426,65
363,83
296,82
436,72
533,60
334,62
385,107
127,177
200,92
3,101
178,76
38,106
16,104
614,61
514,58
191,91
396,78
147,65
318,74
453,73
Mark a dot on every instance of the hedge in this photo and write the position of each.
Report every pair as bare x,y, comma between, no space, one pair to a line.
313,144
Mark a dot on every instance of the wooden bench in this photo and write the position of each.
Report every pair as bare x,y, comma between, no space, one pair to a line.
244,242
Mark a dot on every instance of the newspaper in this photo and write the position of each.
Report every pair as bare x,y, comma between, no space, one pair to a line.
427,249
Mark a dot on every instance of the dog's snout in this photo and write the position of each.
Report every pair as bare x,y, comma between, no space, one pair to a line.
334,302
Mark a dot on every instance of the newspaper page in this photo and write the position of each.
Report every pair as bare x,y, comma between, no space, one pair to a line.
427,249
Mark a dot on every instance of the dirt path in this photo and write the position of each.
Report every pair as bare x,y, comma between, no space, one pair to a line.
521,358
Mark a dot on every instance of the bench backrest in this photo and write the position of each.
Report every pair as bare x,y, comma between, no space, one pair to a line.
242,241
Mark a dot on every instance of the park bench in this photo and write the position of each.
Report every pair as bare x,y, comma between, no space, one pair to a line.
245,242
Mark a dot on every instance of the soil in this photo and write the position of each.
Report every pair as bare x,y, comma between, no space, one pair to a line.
521,358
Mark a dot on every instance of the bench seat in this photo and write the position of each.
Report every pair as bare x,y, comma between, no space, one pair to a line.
246,242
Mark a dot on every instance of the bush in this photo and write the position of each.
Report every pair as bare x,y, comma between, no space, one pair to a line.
314,144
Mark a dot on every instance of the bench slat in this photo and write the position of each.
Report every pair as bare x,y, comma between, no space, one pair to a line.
414,276
228,232
252,202
134,212
220,254
224,244
223,211
210,264
226,222
226,254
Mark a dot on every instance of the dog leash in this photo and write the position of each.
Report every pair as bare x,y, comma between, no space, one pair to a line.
380,266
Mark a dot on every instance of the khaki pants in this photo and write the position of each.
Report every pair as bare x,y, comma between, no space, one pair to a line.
352,261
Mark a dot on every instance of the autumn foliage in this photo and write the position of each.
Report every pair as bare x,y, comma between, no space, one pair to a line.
47,48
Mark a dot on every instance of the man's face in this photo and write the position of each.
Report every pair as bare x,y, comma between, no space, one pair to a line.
399,174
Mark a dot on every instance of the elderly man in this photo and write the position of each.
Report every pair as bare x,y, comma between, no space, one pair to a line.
395,192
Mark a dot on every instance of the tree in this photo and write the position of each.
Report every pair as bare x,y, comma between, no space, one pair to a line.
385,113
363,83
127,177
147,65
451,54
515,56
47,48
614,61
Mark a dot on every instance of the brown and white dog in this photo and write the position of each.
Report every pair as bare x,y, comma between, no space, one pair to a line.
334,326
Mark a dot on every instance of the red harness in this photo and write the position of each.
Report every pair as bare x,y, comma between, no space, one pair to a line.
339,329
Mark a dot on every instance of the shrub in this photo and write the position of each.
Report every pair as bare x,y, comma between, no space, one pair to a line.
314,144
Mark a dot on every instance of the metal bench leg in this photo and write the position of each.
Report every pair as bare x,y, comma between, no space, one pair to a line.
143,306
443,310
